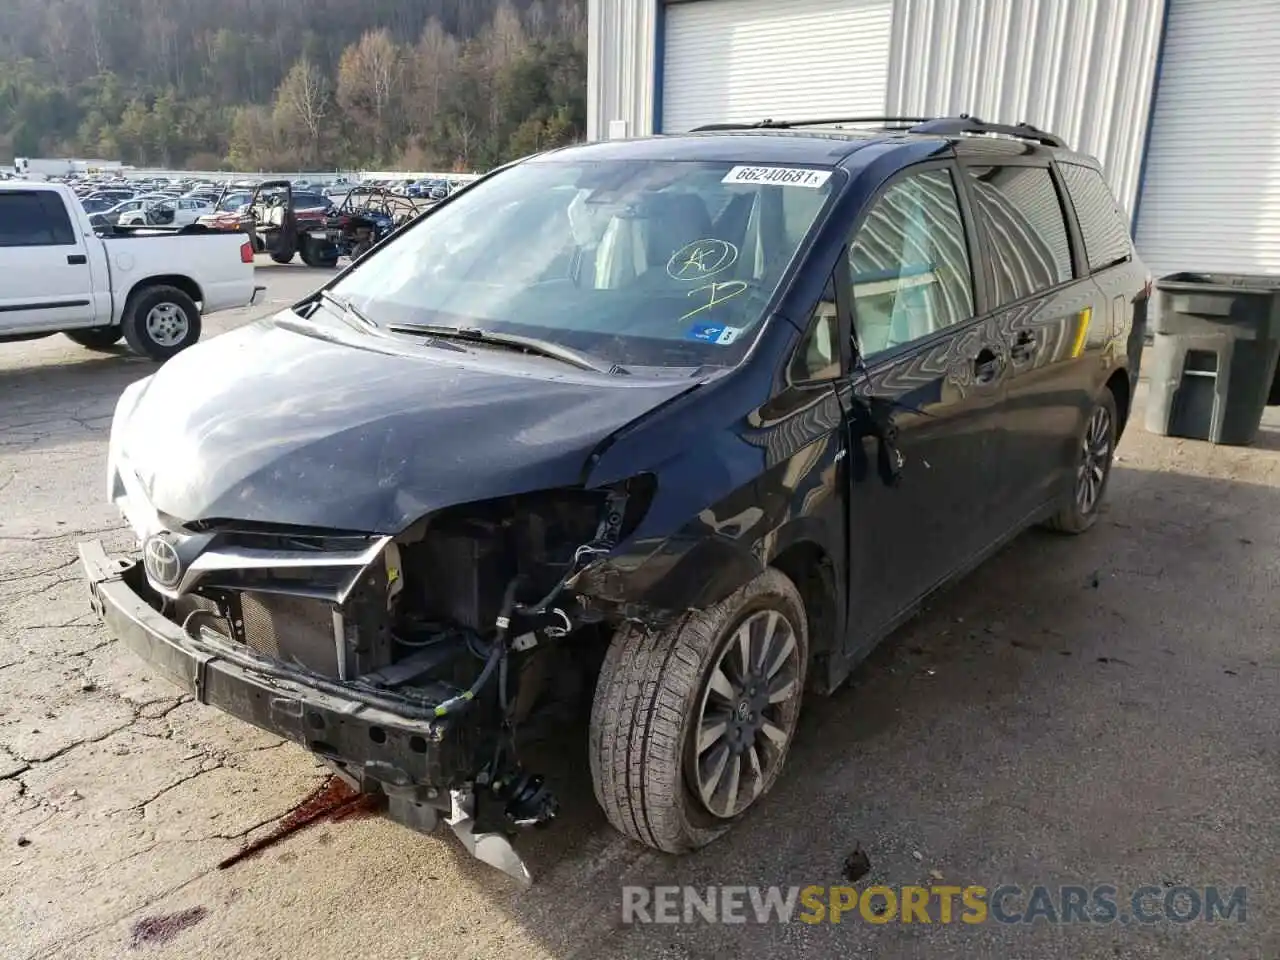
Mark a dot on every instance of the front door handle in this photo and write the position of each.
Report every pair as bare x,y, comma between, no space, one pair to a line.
986,366
1024,346
77,259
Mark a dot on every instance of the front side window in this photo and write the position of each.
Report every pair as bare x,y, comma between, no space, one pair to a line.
635,262
818,356
909,264
1020,215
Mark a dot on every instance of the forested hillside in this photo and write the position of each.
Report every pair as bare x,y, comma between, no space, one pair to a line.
291,84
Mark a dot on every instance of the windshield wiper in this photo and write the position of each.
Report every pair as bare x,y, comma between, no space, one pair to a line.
543,348
348,310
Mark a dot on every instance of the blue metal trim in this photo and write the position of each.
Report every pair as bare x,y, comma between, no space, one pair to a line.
659,57
1151,116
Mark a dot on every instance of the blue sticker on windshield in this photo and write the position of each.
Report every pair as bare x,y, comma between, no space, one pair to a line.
714,333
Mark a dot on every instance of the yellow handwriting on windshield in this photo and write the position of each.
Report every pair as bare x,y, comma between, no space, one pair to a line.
717,293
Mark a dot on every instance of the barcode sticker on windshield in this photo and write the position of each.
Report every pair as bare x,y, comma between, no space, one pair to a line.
778,176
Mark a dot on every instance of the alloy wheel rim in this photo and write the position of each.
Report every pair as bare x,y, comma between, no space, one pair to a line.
1095,460
747,715
167,324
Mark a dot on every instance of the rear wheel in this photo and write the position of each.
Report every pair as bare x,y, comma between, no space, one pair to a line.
312,257
691,724
160,322
1095,452
283,258
96,338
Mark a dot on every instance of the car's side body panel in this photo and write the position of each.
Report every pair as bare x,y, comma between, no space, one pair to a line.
979,462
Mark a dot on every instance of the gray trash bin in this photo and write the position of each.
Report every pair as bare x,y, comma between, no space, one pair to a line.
1217,339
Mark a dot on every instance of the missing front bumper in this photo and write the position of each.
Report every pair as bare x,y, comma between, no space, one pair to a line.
373,740
423,764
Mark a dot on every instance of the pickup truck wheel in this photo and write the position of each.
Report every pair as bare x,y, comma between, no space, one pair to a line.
160,322
691,724
96,338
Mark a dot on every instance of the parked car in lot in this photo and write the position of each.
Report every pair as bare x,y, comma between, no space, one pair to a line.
176,212
691,422
94,205
114,196
57,276
125,208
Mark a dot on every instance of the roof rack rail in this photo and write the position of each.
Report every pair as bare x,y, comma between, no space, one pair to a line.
820,122
939,126
965,124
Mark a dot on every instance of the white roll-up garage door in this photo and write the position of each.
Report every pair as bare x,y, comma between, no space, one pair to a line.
1211,200
746,60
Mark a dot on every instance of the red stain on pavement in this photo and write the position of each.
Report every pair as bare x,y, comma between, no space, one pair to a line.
162,929
333,800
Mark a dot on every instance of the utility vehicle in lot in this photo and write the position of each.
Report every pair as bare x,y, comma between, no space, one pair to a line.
689,423
148,286
278,224
366,216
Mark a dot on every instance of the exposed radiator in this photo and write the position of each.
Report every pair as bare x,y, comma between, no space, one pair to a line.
293,630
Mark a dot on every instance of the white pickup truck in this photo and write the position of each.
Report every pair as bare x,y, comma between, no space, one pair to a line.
58,276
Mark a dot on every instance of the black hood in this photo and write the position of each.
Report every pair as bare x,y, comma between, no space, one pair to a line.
269,424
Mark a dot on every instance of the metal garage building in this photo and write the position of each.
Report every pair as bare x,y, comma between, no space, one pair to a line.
1177,98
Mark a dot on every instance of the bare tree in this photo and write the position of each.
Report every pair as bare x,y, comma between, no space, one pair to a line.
370,81
435,60
302,104
536,20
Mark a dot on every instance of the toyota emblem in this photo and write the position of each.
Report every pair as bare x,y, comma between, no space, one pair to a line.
161,562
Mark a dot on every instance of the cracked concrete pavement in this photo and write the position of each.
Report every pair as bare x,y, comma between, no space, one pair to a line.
1091,710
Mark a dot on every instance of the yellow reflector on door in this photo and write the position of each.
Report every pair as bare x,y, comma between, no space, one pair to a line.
1082,332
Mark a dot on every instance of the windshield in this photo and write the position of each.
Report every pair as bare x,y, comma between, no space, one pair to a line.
667,264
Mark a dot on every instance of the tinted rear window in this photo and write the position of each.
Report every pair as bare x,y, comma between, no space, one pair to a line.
34,219
1021,216
1102,222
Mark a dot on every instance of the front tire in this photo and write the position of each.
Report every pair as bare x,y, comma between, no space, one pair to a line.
282,258
691,724
160,322
96,338
1095,452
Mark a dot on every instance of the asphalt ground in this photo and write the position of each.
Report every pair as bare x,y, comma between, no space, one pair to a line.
1083,712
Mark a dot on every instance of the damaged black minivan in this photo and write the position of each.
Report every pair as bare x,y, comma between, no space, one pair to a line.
687,423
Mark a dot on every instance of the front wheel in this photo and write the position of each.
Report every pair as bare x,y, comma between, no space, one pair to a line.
160,322
282,258
96,338
1095,452
691,724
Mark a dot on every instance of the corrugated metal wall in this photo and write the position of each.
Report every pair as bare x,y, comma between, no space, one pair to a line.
1212,197
621,53
745,60
1081,68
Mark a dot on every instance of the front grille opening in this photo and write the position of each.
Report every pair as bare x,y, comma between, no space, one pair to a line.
297,631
